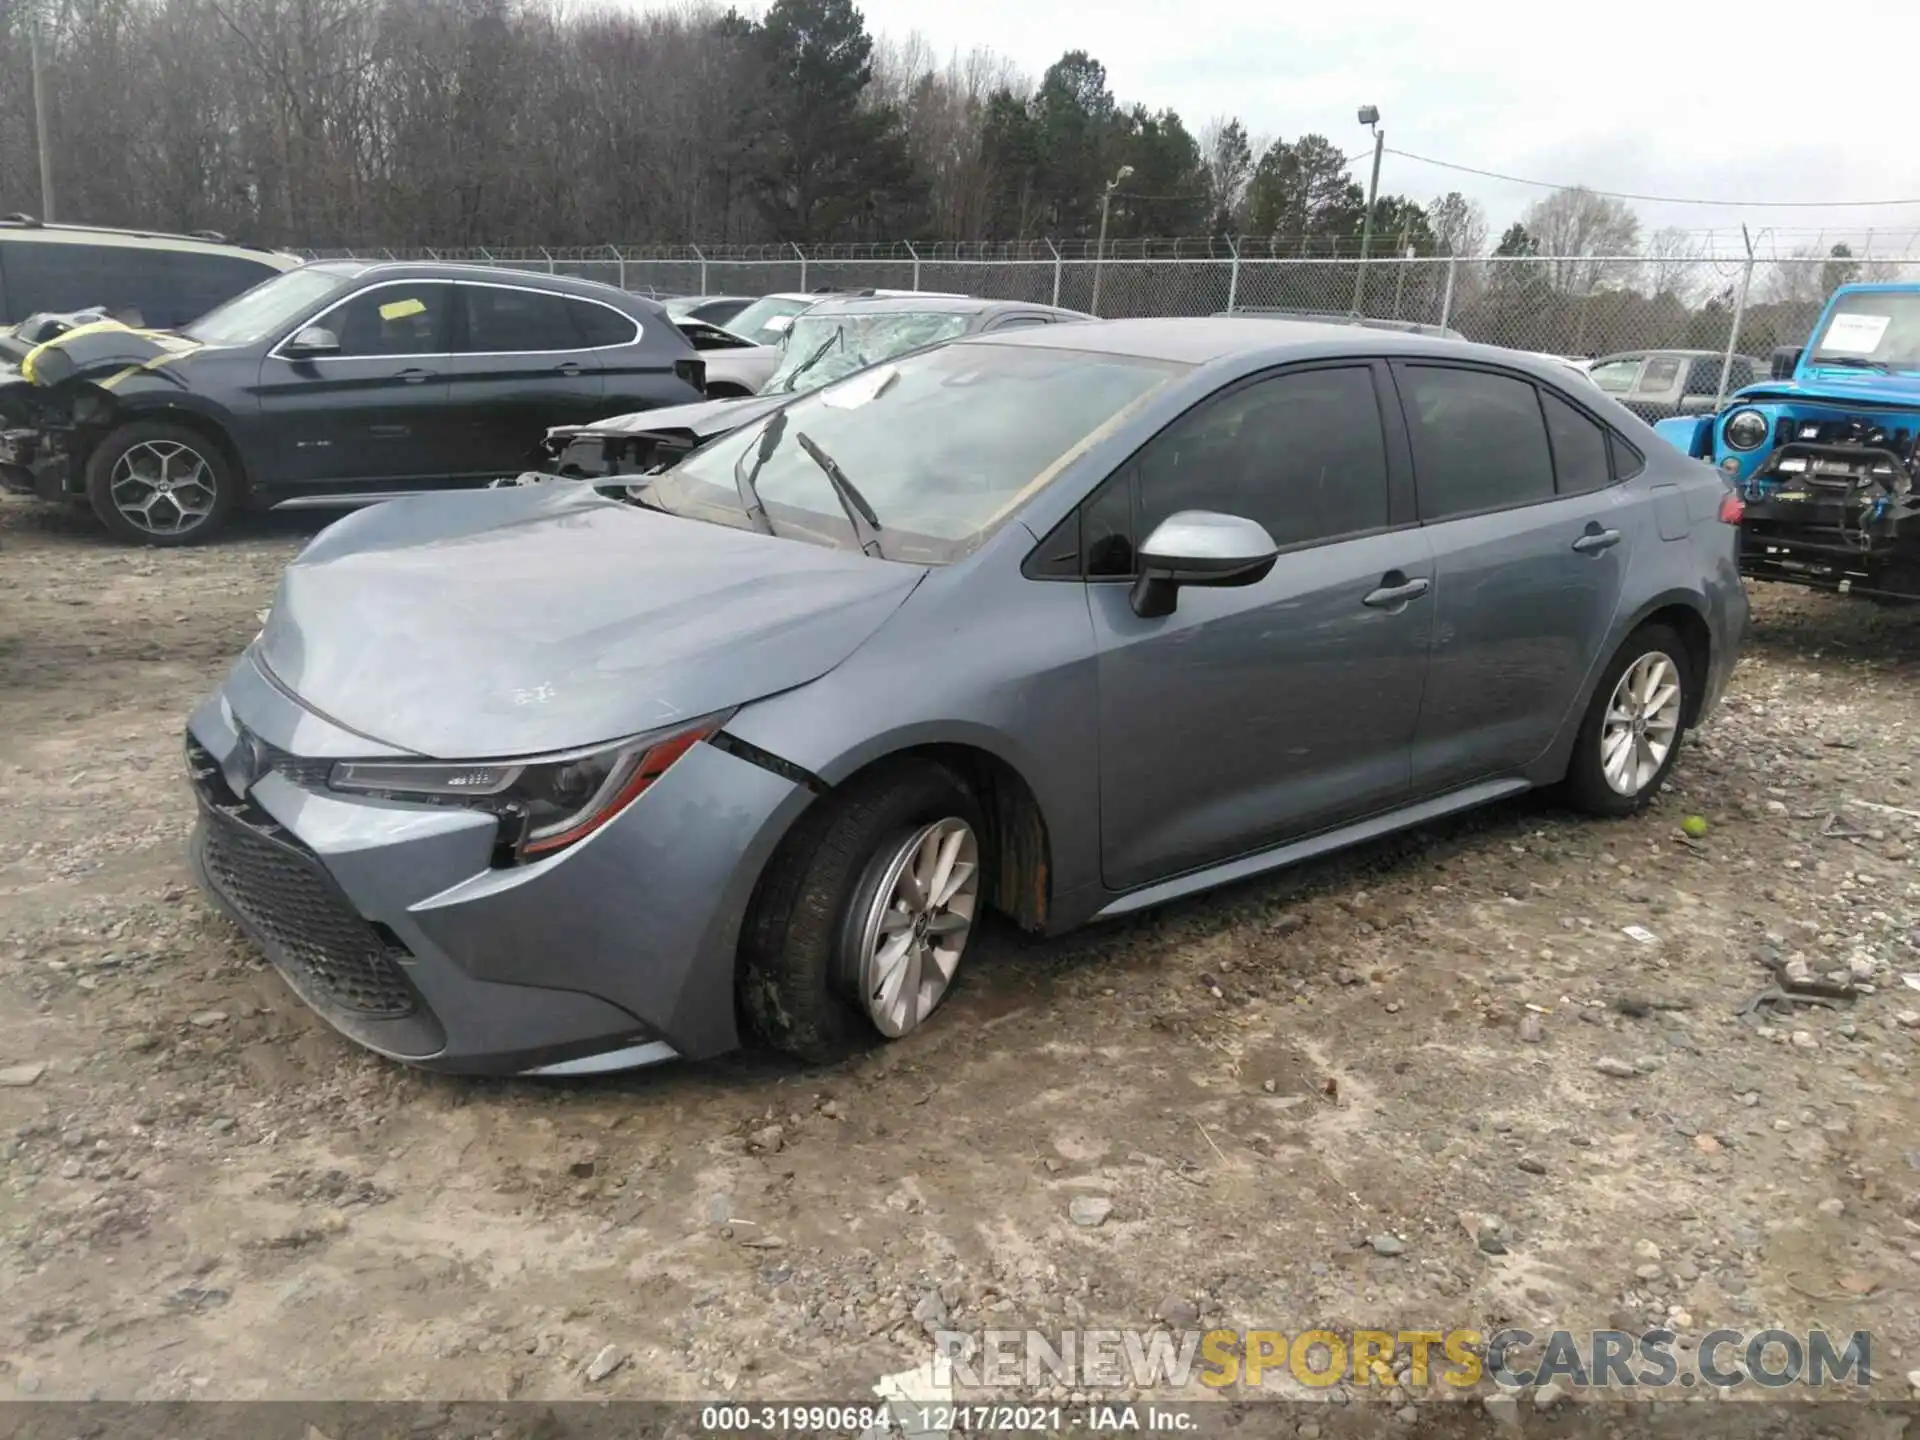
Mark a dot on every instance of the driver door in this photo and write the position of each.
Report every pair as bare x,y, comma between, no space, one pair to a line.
1253,715
376,411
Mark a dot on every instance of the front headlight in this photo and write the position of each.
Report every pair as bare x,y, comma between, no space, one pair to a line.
1747,430
545,803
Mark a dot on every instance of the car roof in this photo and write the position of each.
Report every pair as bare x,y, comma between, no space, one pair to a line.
1683,354
931,304
25,227
482,274
1200,340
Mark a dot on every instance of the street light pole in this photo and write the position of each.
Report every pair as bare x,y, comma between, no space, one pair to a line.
1100,251
1369,115
40,119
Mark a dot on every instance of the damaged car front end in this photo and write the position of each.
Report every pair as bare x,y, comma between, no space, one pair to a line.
1825,457
64,382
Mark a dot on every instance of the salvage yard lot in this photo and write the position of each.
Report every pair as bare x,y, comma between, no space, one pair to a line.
1319,1100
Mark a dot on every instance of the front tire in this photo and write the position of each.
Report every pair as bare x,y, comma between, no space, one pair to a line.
1631,733
864,915
152,483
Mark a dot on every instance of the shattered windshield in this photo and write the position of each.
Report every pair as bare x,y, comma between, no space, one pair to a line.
939,447
1872,330
263,310
823,348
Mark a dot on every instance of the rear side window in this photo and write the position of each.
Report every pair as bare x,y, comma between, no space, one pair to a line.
139,284
1302,453
599,325
1479,442
502,320
1580,463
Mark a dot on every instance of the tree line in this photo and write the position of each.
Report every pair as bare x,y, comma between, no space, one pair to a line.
503,122
460,123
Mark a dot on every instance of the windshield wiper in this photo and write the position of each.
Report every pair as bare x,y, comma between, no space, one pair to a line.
1854,362
866,524
839,334
743,478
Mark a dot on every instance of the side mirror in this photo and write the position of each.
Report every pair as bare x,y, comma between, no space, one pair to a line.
310,342
1786,360
1199,547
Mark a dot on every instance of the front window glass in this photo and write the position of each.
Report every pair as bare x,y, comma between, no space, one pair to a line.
941,446
823,348
265,309
1872,330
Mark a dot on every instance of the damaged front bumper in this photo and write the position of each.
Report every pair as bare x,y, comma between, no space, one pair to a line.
1834,517
36,463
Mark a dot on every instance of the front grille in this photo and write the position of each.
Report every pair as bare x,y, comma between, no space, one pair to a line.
279,888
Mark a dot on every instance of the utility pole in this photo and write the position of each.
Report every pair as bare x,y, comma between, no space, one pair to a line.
41,135
1369,115
1100,251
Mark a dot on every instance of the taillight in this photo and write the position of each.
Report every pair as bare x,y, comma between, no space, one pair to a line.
1732,509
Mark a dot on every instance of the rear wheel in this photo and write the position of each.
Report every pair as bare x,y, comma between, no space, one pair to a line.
157,484
863,918
1630,736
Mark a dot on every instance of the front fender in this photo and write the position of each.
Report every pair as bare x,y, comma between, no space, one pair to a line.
1691,435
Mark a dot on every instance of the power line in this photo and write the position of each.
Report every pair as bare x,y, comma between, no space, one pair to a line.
1656,199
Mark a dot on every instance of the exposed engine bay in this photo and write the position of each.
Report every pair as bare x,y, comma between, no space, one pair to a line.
58,380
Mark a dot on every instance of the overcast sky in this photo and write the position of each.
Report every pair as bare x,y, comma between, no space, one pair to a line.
1761,101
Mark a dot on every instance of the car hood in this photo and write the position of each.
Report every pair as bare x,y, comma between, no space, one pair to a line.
704,420
498,623
1852,387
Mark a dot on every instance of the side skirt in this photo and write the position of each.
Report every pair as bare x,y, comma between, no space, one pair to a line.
1295,851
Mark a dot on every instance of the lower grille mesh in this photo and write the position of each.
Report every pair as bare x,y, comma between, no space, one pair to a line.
331,954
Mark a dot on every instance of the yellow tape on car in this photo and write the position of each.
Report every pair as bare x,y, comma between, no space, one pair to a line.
401,309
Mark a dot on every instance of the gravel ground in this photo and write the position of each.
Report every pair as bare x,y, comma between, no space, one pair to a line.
1434,1083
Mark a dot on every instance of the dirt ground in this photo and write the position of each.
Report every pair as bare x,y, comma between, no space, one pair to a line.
1319,1100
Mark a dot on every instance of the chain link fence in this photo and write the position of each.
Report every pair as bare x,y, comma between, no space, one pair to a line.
1563,305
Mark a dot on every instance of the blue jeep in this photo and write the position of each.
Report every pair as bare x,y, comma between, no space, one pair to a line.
1823,455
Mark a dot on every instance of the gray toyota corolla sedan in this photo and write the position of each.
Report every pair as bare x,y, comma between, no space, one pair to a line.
1064,623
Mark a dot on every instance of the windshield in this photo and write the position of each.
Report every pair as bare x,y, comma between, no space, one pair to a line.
263,310
752,322
823,348
1873,330
939,447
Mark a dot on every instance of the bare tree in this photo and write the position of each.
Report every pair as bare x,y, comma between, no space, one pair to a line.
1580,230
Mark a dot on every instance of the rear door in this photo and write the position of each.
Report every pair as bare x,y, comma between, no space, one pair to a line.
376,412
1530,539
524,364
1255,714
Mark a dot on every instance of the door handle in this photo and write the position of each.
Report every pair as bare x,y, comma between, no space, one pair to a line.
416,377
1394,593
568,369
1596,540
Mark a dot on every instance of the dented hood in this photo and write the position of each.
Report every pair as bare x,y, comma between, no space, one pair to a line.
498,623
704,419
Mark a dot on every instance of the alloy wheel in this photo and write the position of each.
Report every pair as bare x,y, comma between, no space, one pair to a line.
917,928
1642,723
163,487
